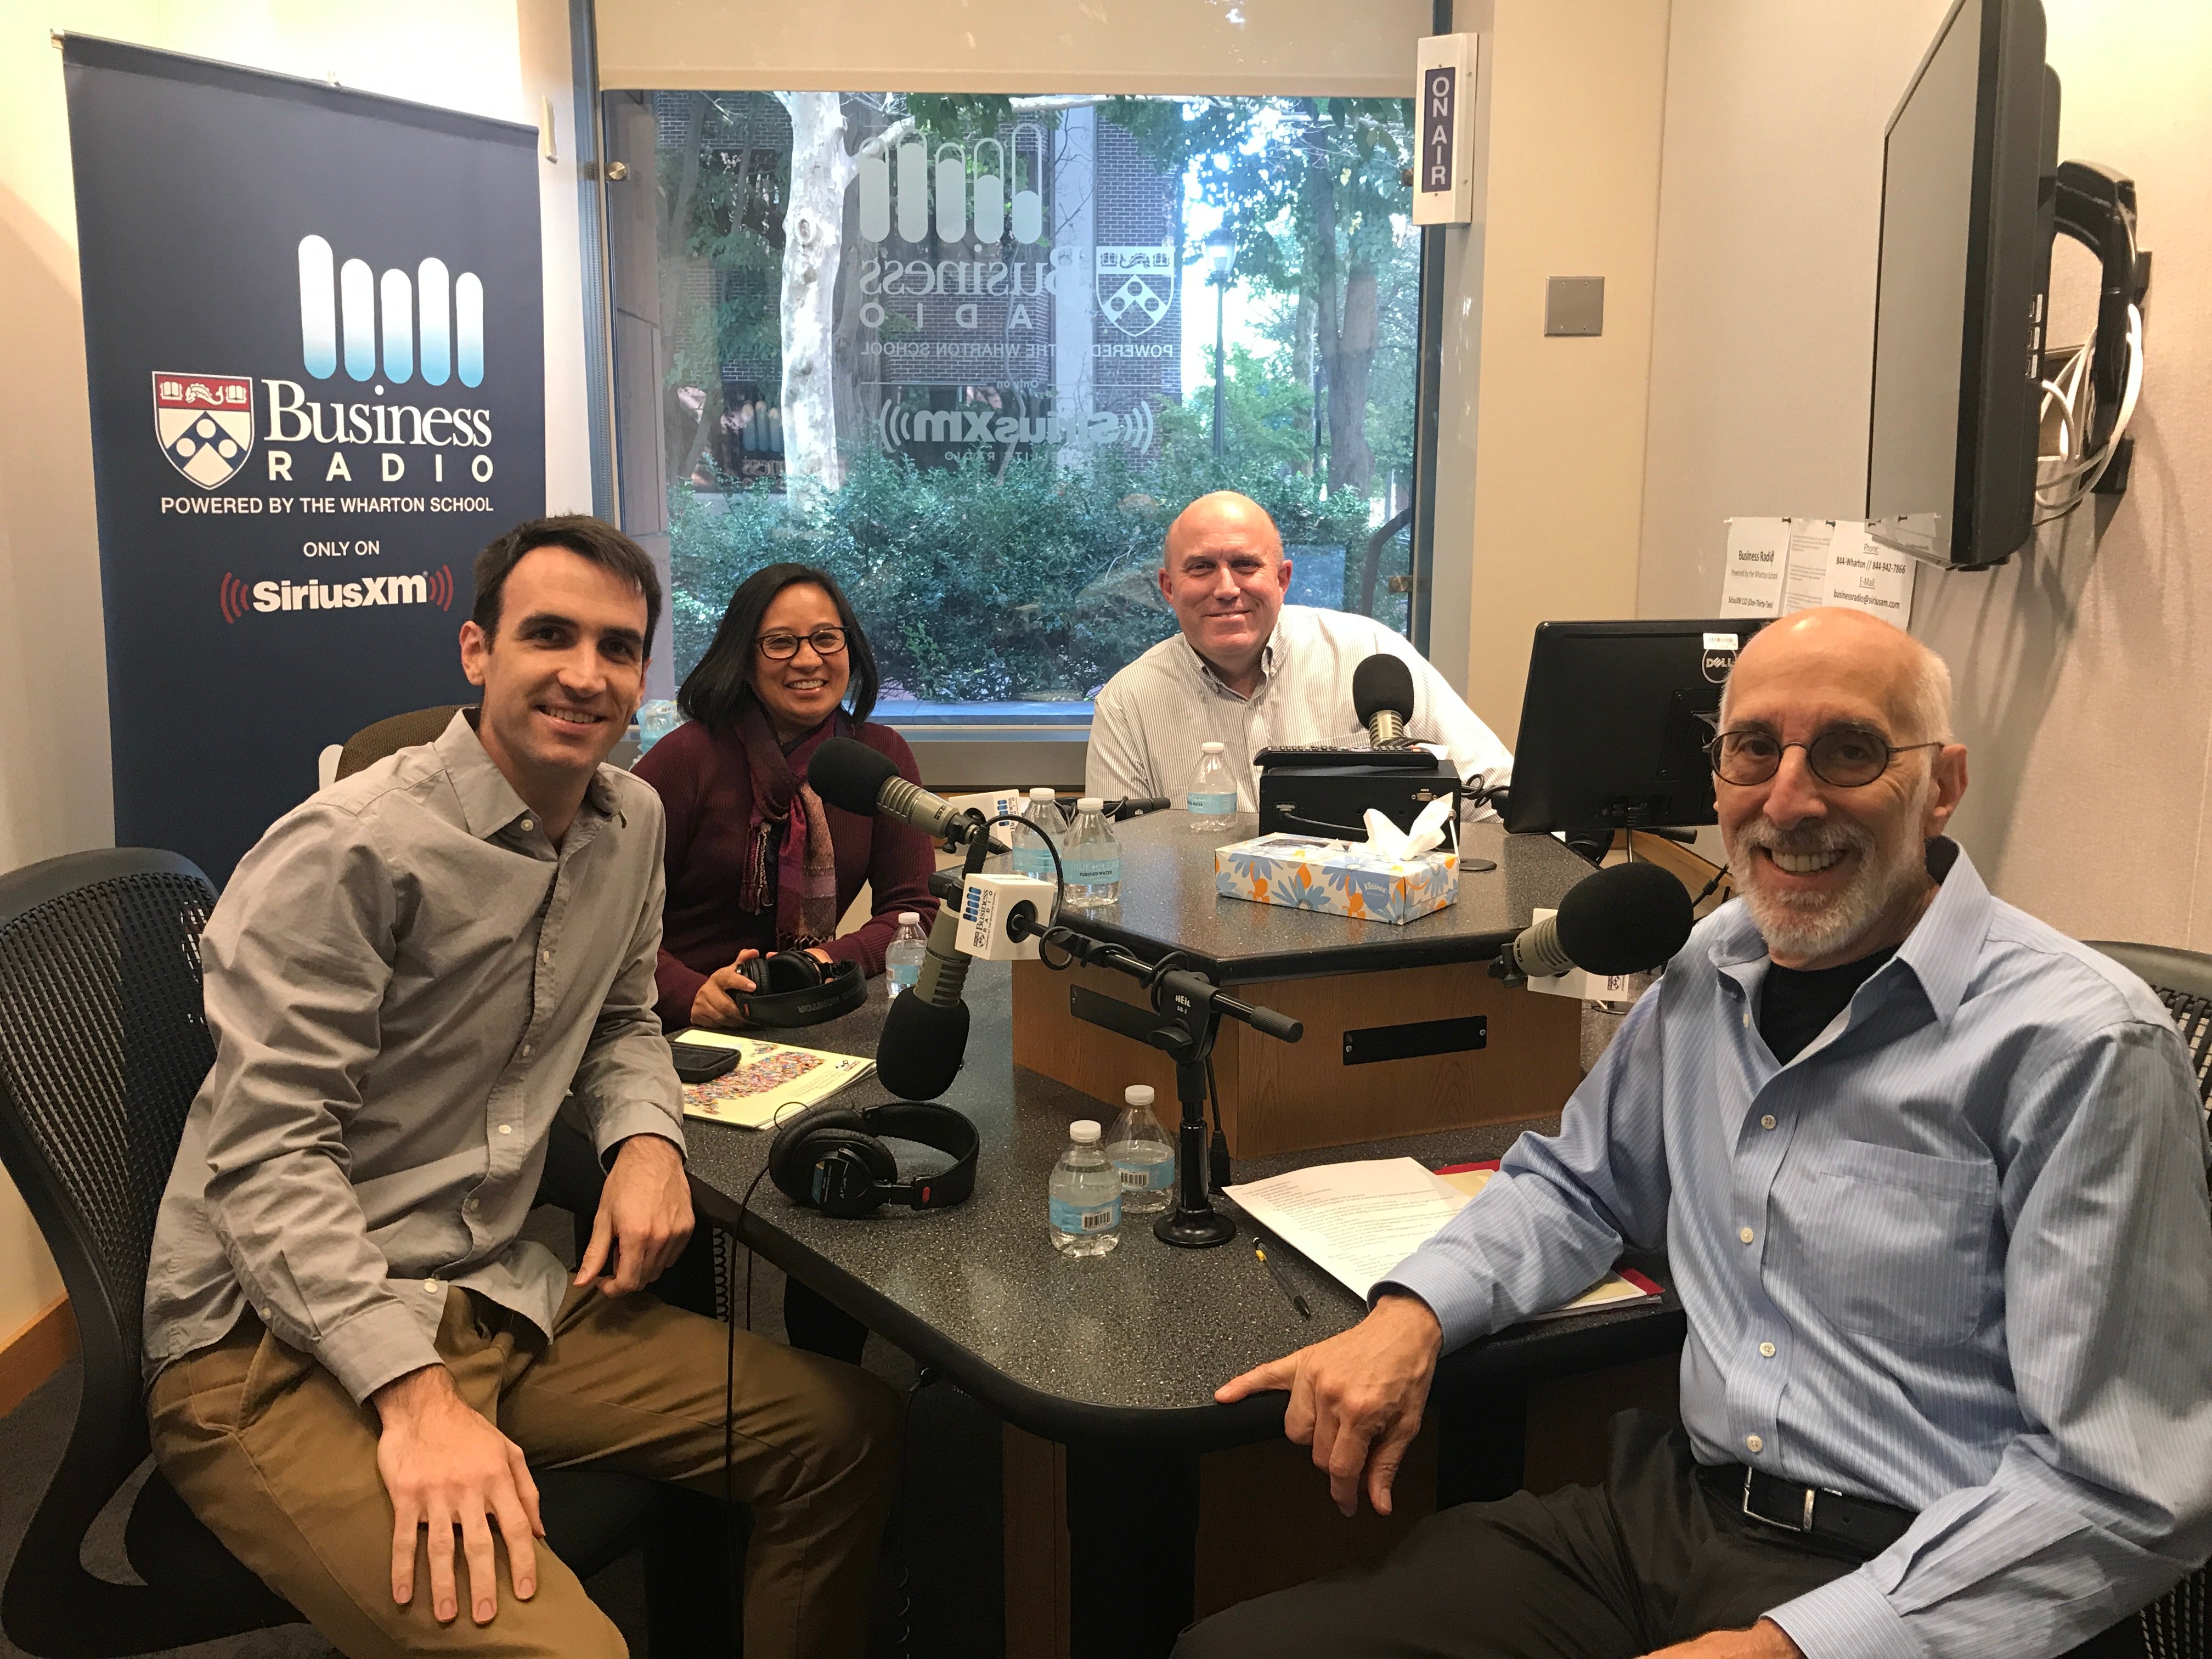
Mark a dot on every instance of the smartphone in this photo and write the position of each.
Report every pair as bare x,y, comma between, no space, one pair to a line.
701,1062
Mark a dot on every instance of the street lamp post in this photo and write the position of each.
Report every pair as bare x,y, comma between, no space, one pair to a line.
1220,249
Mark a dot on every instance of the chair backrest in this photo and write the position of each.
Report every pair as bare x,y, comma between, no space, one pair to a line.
2183,980
388,737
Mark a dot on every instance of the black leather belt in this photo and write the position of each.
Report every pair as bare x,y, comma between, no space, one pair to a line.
1859,1524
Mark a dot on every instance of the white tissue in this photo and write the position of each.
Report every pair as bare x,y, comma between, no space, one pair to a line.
1386,840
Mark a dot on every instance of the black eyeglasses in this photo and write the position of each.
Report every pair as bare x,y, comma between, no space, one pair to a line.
1843,757
827,642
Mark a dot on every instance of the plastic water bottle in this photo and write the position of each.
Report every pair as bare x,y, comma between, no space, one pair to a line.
1141,1154
1042,824
1094,857
1212,800
1084,1199
903,956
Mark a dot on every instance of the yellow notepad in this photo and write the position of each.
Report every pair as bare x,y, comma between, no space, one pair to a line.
771,1082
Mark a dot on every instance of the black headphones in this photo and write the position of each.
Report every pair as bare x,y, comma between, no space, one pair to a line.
831,1158
793,989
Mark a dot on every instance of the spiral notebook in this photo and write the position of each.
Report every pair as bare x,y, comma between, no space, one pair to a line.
769,1082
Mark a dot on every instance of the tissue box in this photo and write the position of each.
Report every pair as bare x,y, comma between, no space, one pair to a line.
1307,874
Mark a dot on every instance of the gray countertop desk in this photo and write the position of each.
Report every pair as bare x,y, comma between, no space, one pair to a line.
1116,1356
1128,1345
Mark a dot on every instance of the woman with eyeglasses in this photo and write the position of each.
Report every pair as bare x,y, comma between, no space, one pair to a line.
757,862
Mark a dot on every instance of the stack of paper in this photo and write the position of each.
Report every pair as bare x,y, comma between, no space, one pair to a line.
770,1081
1357,1222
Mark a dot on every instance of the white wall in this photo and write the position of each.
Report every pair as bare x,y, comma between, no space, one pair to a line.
496,58
1540,442
2084,667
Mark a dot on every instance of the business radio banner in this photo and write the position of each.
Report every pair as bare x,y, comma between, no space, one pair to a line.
313,326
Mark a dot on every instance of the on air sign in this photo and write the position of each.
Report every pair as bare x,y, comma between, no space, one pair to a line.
1444,123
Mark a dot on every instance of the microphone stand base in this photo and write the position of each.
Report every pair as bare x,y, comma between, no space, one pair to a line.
1201,1231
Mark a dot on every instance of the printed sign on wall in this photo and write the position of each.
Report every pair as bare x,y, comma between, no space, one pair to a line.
314,327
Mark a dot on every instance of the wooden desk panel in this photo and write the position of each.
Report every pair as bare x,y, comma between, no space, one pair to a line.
1284,1097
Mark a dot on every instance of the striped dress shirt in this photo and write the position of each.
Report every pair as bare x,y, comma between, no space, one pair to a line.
1955,1256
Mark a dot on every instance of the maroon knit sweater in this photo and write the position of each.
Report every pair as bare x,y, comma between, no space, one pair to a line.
706,787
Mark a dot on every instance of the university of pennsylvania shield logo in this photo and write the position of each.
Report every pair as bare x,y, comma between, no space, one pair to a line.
205,424
1136,285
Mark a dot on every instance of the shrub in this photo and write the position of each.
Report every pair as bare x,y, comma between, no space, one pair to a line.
979,584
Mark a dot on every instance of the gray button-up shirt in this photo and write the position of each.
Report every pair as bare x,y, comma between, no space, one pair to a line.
404,980
1151,717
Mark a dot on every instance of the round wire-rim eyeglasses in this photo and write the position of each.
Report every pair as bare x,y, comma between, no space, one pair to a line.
1843,757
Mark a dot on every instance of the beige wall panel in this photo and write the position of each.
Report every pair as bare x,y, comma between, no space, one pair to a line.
1282,46
2084,667
1575,92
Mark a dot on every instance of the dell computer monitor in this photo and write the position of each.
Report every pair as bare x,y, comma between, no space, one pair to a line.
1965,265
1614,723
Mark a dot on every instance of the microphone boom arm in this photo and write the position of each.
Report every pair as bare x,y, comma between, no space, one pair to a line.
1185,1017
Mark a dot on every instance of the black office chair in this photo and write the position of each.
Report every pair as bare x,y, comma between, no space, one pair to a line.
103,1044
2174,1626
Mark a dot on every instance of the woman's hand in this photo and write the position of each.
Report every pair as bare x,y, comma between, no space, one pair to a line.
715,1004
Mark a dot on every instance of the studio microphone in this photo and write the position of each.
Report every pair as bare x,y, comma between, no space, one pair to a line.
924,1036
1624,920
849,774
1382,696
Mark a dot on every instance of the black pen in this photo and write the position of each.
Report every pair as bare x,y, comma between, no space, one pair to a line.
1275,1272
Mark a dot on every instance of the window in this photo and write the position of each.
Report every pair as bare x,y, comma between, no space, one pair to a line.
960,351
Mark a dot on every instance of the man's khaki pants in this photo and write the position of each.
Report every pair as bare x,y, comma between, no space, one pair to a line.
275,1456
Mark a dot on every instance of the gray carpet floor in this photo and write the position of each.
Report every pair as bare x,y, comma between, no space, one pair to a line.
938,1594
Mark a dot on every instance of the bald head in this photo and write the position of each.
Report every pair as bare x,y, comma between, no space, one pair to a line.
1224,516
1223,572
1831,647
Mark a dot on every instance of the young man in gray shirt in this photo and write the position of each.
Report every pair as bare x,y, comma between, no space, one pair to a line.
352,1353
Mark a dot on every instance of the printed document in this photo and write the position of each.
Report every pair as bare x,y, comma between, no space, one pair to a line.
1357,1222
1354,1221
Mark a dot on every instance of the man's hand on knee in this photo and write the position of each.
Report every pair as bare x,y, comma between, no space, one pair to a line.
1763,1640
644,1219
1356,1399
446,1468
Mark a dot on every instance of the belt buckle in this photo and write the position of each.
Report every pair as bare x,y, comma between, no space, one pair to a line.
1804,1526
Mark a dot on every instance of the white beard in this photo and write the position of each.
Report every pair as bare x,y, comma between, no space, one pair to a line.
1815,925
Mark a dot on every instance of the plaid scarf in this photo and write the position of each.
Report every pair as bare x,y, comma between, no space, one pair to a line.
806,861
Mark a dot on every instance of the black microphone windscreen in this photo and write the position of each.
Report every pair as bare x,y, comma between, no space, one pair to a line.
847,773
921,1047
1381,681
1624,920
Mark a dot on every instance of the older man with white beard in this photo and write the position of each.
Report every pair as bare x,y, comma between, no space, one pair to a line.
1930,1177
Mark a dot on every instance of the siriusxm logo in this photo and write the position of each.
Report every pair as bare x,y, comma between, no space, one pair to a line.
434,321
237,599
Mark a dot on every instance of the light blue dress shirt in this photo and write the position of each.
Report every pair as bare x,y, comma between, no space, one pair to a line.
1954,1256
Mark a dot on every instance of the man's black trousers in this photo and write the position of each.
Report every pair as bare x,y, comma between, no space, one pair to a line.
1650,1558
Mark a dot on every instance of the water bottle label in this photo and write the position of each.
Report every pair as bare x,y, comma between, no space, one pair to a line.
1080,1219
1093,870
1206,805
1145,1177
1034,862
903,978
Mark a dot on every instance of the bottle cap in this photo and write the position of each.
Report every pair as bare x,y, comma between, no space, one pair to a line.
1090,804
1040,794
909,919
1083,1132
1137,1094
1213,748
